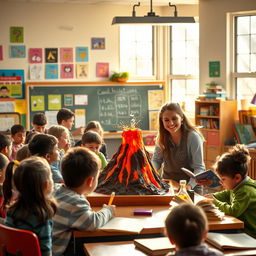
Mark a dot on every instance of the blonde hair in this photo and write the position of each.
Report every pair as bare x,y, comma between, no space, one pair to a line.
94,125
57,131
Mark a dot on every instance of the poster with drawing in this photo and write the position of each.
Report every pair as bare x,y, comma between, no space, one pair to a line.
66,55
155,99
82,70
36,71
35,55
67,71
153,120
82,54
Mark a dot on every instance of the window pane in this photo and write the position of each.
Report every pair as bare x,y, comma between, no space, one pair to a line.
243,44
243,63
243,25
136,50
253,24
253,43
246,88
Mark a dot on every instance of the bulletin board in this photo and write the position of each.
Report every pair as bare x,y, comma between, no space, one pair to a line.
8,119
108,102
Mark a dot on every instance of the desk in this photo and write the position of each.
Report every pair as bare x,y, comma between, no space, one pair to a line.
127,248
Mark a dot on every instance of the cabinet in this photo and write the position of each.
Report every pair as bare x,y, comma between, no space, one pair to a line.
216,120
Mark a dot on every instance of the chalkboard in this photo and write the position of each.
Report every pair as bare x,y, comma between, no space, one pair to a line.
110,104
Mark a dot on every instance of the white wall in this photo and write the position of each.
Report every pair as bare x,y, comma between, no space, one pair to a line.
213,40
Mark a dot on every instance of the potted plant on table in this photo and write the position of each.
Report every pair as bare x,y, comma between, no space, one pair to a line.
119,76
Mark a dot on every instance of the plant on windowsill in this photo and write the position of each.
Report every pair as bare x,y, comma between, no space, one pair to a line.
120,77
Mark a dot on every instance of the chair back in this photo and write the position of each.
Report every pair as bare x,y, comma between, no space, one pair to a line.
18,242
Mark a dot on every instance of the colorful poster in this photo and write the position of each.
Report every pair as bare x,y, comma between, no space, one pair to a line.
20,106
155,99
36,71
51,71
17,51
102,69
81,99
67,71
51,55
80,120
1,53
13,84
153,120
214,68
51,118
16,34
66,55
35,55
54,102
37,103
98,43
82,70
82,54
68,100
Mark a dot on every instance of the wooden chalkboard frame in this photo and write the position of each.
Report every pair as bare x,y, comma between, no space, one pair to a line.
30,85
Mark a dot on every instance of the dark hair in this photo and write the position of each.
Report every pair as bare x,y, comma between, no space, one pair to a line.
42,144
91,137
163,136
5,141
23,153
17,128
3,161
4,88
64,114
233,162
29,179
7,185
30,135
94,125
186,224
77,165
39,119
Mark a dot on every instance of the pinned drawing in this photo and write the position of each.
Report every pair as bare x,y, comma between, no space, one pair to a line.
67,71
102,69
54,102
51,55
82,54
37,103
51,71
98,43
35,55
82,70
66,55
16,34
36,71
17,51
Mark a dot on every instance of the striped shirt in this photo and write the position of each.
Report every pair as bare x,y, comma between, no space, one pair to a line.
74,212
42,230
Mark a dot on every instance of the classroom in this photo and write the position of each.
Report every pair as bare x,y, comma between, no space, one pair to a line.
164,96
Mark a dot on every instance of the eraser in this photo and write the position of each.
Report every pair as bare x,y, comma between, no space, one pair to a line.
147,212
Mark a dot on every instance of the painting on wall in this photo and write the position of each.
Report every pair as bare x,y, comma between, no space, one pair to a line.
102,69
17,51
82,70
66,54
16,34
51,71
82,54
51,55
35,55
67,71
98,43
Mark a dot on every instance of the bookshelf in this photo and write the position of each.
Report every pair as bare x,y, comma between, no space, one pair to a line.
216,120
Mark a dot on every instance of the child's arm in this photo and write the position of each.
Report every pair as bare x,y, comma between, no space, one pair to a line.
235,206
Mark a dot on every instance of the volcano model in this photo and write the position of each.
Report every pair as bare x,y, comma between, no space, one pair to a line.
130,171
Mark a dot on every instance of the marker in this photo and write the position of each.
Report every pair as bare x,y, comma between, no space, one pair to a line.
111,198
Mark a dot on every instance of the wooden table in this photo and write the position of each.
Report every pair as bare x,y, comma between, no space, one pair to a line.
127,248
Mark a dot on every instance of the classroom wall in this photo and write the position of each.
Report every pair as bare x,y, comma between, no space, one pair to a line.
213,40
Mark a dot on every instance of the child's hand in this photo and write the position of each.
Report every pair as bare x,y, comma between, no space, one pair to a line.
209,196
113,208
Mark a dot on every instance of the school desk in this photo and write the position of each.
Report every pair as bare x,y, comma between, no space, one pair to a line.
127,248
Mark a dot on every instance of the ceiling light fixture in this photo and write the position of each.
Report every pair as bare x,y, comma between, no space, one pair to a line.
152,18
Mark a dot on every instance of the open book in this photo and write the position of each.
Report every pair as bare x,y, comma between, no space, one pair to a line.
209,174
120,224
154,246
231,241
212,212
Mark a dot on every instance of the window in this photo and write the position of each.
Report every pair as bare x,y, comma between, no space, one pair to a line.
136,50
185,65
245,56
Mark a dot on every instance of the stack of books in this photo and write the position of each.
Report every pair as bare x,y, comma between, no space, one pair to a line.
214,91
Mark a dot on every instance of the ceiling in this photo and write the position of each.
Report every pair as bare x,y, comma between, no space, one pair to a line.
97,2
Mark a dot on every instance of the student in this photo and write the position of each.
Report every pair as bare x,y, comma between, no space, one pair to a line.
5,145
4,92
3,163
186,227
179,144
80,170
65,117
46,146
96,127
93,141
18,135
239,197
23,153
33,209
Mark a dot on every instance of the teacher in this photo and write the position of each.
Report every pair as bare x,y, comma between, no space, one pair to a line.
179,144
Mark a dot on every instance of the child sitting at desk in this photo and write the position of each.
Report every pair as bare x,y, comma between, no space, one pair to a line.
239,198
93,141
186,227
80,170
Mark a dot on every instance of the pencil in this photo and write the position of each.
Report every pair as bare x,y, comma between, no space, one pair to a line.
111,198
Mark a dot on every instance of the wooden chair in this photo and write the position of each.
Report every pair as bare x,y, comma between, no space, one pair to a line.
18,242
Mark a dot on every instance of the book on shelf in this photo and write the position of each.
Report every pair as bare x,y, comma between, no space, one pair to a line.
209,174
154,246
231,241
127,225
211,211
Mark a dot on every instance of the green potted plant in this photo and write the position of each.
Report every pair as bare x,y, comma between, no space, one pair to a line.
119,76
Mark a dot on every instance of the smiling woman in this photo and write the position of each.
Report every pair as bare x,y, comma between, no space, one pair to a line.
179,144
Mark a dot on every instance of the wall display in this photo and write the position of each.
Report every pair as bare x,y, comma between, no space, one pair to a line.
155,99
214,69
82,54
80,117
37,103
102,69
82,70
67,71
54,102
66,54
36,72
68,100
17,51
51,55
16,34
35,55
98,43
51,71
110,104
